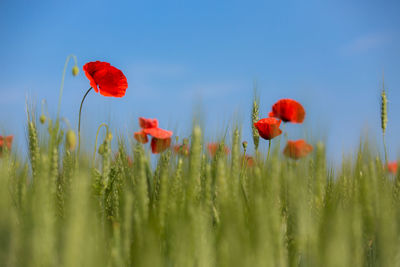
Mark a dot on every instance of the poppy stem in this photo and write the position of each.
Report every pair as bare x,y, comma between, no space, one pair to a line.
62,81
269,148
79,121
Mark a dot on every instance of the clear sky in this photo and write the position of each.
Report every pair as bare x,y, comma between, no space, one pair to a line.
181,55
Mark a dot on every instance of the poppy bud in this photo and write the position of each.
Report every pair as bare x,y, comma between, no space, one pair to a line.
244,144
185,141
101,149
42,119
109,136
75,70
71,140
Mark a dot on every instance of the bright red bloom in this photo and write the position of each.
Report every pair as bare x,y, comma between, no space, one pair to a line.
159,145
268,128
288,110
148,123
161,138
213,148
5,142
297,149
158,133
150,126
392,167
105,78
141,137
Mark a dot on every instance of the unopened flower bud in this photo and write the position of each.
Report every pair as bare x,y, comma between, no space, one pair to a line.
244,144
101,149
42,119
75,70
71,140
109,136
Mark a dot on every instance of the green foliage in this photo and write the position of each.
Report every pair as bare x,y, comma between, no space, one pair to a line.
194,210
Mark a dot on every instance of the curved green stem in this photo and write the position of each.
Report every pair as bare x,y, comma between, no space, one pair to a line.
62,81
97,135
269,148
79,121
66,121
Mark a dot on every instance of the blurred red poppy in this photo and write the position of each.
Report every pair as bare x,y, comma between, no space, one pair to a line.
5,142
159,145
392,167
141,137
297,149
182,150
213,148
248,160
288,110
106,79
161,138
268,128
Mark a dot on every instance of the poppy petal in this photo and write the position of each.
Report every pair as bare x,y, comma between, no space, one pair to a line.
159,145
141,137
268,128
106,79
158,133
288,110
213,148
392,167
297,149
148,123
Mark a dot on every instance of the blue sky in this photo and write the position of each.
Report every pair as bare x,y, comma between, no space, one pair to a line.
181,55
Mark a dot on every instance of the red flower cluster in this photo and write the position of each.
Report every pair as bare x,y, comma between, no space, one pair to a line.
213,148
106,79
161,139
5,142
392,167
288,110
297,149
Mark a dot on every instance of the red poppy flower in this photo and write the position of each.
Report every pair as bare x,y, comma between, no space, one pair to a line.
182,150
141,137
5,142
106,79
213,148
268,128
297,149
288,110
392,167
150,126
148,123
159,145
161,138
249,160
